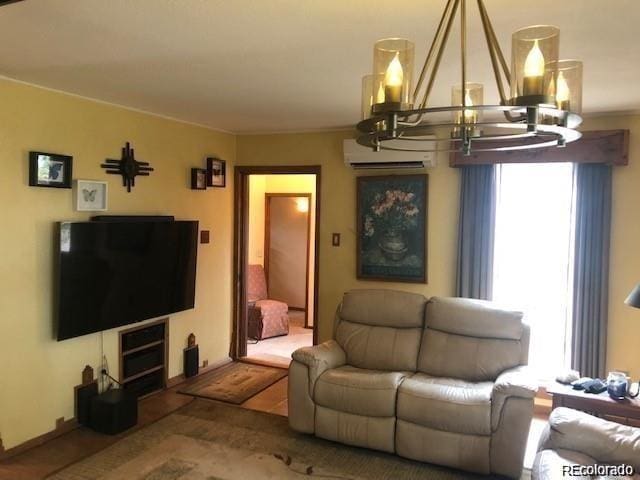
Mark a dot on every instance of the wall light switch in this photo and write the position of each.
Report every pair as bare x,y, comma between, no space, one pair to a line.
335,240
204,236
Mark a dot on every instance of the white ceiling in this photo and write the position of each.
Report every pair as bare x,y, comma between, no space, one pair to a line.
287,65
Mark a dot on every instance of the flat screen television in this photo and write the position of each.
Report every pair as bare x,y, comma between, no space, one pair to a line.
114,273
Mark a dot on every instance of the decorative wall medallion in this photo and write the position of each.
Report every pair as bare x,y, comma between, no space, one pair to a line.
128,167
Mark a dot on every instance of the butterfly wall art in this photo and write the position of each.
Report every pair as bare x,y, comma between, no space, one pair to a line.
128,167
50,170
91,196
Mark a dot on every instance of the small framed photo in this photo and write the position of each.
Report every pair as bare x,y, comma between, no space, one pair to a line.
50,170
216,172
198,179
91,196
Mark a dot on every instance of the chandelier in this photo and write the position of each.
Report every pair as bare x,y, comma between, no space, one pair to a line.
543,109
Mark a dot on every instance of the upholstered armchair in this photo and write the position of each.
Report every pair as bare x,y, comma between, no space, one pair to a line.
266,318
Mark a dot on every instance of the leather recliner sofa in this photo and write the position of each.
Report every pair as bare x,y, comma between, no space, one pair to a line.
574,439
440,381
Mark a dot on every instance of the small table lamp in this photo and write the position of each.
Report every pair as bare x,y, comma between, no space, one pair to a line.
633,300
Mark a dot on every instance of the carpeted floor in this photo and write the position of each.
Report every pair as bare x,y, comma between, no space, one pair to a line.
235,383
211,441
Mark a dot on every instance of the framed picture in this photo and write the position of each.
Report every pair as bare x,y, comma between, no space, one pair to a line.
50,170
198,179
392,225
216,172
91,196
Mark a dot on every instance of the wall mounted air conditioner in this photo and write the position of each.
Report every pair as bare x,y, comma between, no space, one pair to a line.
359,157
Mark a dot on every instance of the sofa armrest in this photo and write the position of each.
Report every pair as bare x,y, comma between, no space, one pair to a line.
320,358
515,382
605,441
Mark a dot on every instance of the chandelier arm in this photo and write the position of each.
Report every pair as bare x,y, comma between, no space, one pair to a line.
492,53
432,48
441,48
496,44
463,51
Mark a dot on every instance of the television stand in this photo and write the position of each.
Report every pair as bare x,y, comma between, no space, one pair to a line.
143,358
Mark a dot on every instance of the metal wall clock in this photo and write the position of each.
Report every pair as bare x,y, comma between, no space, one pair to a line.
128,167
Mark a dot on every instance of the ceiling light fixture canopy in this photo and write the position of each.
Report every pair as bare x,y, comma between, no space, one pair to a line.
542,110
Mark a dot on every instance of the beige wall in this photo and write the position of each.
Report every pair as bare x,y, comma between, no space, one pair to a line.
338,214
624,272
259,185
37,374
257,190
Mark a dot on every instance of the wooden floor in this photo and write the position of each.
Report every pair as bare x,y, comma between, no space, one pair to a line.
82,442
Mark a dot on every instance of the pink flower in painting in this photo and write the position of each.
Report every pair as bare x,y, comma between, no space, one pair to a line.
392,210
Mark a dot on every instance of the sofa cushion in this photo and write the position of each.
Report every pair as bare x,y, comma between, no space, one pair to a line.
379,348
473,318
358,430
468,358
362,392
473,340
446,404
383,308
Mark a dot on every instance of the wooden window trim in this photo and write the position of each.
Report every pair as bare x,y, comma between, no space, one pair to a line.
593,147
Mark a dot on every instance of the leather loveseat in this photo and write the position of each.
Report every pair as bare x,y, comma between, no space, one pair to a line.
574,439
440,381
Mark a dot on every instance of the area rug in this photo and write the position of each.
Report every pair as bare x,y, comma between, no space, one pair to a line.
211,441
235,383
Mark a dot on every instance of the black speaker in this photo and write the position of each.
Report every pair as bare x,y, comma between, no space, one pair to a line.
191,361
84,394
113,411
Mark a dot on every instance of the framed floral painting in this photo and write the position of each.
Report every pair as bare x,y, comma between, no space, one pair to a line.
392,226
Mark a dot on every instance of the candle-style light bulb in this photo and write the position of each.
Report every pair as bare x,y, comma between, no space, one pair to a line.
393,80
562,93
533,71
469,115
534,64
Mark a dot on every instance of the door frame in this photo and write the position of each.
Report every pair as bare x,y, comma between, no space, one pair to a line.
241,246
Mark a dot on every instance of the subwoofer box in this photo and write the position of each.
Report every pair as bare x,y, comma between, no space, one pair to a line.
113,411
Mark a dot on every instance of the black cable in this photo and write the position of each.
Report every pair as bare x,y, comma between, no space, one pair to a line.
104,372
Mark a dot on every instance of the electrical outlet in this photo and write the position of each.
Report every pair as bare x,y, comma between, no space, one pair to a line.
205,363
335,239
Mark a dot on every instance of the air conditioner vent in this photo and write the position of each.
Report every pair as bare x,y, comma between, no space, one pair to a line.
361,158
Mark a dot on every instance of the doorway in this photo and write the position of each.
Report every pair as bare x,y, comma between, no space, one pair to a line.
276,244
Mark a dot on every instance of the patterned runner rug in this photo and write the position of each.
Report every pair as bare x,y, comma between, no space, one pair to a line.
235,383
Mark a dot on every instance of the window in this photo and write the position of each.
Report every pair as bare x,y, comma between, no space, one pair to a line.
533,256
